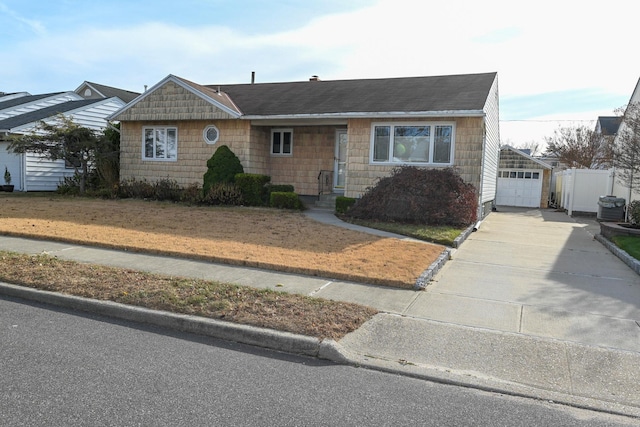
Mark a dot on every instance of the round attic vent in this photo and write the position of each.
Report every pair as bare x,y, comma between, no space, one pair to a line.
211,134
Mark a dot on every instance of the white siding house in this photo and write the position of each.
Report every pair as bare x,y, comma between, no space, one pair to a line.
491,150
20,113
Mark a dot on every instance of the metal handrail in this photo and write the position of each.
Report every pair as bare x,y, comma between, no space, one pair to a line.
325,182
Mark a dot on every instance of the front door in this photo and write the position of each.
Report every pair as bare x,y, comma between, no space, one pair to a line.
340,160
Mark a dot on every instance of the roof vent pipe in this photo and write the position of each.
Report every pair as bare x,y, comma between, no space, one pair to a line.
314,78
253,77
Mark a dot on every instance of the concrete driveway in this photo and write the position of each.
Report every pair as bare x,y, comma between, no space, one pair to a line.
541,273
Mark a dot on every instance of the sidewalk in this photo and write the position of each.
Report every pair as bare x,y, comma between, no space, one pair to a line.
530,305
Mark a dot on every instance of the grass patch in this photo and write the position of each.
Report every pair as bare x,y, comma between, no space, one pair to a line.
629,244
442,235
239,304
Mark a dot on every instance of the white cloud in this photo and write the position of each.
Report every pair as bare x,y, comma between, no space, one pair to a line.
36,26
549,46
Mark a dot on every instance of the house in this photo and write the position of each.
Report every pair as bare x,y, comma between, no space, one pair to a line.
319,136
89,90
21,112
523,180
628,130
607,125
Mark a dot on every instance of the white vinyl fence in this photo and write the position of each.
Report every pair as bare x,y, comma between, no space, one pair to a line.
578,190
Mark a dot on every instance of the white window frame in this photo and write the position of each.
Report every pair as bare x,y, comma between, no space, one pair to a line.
206,131
155,157
281,132
390,155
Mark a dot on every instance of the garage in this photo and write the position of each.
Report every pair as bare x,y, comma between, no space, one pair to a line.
523,181
519,188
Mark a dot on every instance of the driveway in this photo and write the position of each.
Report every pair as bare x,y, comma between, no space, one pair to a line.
541,273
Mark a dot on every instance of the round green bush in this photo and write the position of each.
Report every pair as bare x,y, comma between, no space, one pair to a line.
221,167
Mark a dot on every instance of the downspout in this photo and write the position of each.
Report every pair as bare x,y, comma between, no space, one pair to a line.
23,171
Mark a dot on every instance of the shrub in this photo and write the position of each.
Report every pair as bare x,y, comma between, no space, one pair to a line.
634,212
223,166
167,189
132,188
191,194
420,196
223,193
69,185
343,204
253,188
285,200
280,188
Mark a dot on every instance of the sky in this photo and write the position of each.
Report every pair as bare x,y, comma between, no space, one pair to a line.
559,63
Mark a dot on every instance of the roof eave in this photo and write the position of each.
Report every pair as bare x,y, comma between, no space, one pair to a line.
29,125
181,83
372,115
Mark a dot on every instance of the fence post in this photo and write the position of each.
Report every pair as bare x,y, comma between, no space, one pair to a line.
572,191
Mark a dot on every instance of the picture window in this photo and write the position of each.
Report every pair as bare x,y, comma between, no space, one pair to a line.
160,143
413,143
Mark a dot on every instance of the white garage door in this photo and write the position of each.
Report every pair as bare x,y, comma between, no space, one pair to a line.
519,187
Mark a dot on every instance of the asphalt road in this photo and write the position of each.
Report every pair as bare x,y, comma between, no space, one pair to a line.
62,368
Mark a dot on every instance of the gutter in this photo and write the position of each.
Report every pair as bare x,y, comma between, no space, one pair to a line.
360,115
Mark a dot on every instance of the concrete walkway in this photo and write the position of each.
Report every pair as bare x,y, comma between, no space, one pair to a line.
531,304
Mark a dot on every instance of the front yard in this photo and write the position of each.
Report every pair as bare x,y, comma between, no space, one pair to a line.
263,238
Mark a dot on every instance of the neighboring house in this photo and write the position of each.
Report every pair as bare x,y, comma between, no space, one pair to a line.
580,189
607,125
337,136
619,189
523,180
89,90
20,113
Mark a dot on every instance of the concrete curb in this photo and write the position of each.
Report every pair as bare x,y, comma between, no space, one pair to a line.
260,337
308,346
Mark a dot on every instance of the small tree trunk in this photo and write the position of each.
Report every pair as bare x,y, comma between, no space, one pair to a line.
83,177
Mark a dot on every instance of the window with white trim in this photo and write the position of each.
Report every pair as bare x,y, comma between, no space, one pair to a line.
282,142
160,143
413,143
211,134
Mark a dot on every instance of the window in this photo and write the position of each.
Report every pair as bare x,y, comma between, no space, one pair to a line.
519,174
160,143
282,142
211,134
72,163
419,143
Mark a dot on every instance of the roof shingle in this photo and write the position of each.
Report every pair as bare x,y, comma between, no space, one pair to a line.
466,92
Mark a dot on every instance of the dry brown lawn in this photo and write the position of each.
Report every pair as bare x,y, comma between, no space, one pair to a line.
263,238
264,308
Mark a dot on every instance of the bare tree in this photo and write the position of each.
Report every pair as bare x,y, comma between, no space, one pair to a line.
580,147
626,150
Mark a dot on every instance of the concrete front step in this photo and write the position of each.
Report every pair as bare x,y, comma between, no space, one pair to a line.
326,201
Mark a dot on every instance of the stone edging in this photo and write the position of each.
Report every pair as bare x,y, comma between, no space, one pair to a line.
633,263
427,275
